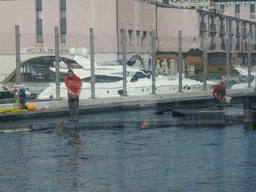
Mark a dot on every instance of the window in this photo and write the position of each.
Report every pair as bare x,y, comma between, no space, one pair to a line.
252,10
63,38
137,37
245,3
37,69
130,33
237,9
216,4
222,4
39,14
123,33
230,3
144,38
63,21
39,4
63,14
39,25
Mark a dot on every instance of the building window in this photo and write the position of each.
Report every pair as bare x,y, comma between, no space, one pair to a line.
39,28
252,10
130,33
37,69
122,35
144,38
137,37
237,9
63,21
216,4
245,3
39,14
230,3
222,4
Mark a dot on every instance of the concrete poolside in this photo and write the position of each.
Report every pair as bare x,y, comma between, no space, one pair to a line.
102,112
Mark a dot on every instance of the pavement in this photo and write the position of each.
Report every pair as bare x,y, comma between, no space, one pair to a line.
114,112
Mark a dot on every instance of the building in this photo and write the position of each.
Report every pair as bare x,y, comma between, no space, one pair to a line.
37,20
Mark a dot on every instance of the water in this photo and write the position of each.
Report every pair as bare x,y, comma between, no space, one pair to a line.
173,158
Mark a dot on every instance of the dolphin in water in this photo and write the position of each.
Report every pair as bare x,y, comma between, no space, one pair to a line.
60,127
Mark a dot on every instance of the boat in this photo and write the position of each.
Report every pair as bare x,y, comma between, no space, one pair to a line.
6,92
243,77
139,81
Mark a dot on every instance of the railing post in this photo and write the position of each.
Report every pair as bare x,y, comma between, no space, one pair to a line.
227,58
92,63
180,61
249,61
124,62
17,35
57,50
153,62
205,65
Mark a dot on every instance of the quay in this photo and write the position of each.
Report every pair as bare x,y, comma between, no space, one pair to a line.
105,112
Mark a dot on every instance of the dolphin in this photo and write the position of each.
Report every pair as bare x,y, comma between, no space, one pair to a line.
60,127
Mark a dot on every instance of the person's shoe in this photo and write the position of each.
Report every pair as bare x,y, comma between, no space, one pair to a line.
76,115
72,113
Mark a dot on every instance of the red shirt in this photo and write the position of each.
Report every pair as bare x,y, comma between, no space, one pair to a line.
73,84
214,91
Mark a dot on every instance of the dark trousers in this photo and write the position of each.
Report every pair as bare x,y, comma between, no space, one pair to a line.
73,102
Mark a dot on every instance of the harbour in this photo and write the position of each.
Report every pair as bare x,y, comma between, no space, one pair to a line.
166,94
109,151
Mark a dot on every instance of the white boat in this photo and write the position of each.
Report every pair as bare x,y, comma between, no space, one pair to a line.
139,82
243,71
6,92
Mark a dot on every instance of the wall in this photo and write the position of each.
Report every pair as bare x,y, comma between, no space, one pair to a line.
170,21
136,16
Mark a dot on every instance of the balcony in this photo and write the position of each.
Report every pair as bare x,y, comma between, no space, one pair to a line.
187,3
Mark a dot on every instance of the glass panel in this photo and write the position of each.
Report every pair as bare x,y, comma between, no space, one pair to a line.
39,26
39,37
63,38
39,4
63,26
39,14
63,14
62,4
137,37
130,37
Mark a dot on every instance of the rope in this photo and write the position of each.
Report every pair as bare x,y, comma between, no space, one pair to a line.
13,110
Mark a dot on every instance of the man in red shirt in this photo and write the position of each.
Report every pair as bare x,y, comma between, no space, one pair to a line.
74,86
220,91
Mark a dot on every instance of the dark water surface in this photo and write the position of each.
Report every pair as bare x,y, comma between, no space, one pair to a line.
130,159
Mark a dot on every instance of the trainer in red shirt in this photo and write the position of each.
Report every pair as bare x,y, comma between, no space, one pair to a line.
220,90
73,84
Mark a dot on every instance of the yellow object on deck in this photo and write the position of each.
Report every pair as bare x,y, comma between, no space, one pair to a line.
13,110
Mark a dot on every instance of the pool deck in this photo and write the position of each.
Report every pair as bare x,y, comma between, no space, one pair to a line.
160,103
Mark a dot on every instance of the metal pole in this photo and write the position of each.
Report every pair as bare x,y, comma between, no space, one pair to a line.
57,50
205,65
124,62
17,35
249,61
92,63
180,61
153,62
227,58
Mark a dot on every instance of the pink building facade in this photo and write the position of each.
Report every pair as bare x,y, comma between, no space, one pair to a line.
37,20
